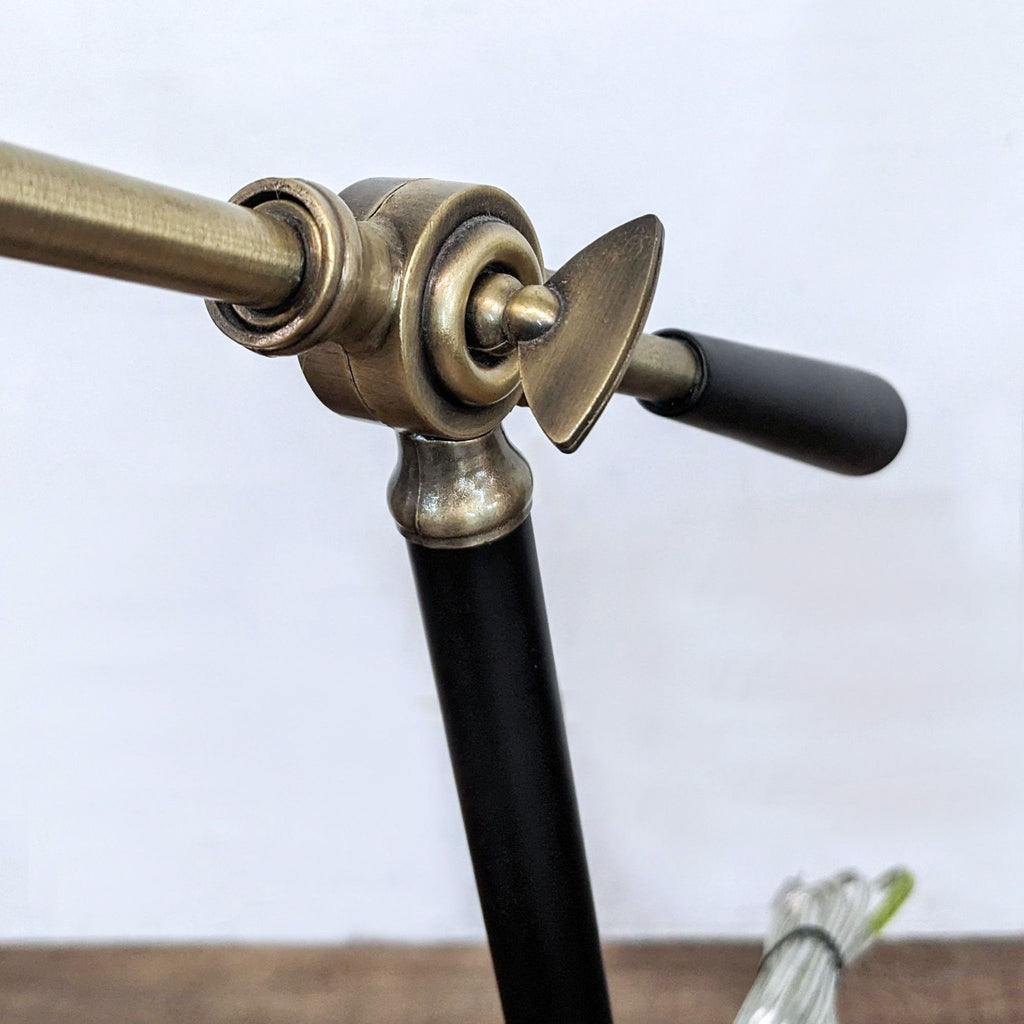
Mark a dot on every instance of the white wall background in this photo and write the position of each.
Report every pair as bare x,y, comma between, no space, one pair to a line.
217,716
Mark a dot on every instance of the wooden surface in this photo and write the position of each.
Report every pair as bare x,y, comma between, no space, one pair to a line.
953,982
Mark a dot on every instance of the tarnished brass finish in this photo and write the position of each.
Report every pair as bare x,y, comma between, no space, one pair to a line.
403,381
70,215
348,285
457,494
660,370
477,246
485,314
531,312
604,294
418,303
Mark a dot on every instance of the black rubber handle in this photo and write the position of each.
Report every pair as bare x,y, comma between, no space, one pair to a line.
831,416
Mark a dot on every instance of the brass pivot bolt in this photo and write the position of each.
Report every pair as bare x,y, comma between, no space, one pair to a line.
531,312
503,312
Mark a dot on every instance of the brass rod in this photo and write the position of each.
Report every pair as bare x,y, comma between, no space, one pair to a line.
67,214
660,369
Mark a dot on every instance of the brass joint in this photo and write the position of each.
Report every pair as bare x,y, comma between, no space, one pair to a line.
422,373
424,305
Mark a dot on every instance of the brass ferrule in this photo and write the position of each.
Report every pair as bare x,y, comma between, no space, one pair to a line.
349,276
458,494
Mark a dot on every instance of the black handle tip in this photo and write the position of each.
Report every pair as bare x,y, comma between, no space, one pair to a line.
834,417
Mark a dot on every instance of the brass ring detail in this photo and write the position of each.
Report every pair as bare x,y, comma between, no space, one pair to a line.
480,244
330,281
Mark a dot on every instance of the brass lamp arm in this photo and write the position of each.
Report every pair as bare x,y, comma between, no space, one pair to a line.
424,305
70,215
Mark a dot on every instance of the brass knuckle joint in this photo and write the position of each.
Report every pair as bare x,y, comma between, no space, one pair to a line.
423,304
421,373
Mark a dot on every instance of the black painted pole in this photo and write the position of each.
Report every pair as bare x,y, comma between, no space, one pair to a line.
483,609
